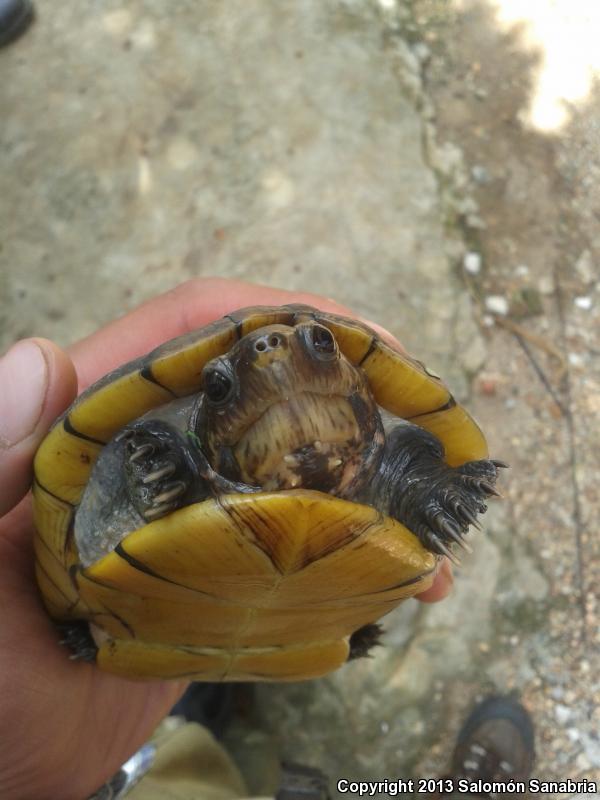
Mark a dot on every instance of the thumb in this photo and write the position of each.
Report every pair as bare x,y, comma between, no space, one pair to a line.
37,382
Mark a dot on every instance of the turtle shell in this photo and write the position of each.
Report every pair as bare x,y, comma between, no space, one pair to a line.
266,586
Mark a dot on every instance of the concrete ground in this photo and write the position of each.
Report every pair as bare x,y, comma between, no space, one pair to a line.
379,153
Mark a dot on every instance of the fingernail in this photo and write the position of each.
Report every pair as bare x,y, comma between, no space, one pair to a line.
23,384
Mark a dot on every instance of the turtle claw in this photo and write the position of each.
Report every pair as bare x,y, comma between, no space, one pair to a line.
455,535
461,498
452,506
439,547
172,491
487,487
157,472
163,472
469,517
158,511
139,452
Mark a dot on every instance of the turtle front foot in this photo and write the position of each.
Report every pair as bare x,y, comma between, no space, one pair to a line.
436,502
455,502
160,476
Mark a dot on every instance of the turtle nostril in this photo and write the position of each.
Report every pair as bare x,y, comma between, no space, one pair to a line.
268,342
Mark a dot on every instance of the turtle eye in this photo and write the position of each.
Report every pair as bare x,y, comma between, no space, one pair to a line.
322,340
217,386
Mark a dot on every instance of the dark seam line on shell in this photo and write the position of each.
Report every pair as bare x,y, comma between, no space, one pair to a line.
146,373
239,325
68,426
260,675
369,352
256,543
73,570
403,584
50,550
220,674
37,481
347,541
141,567
97,582
362,597
243,650
313,315
446,407
72,603
324,553
69,534
114,614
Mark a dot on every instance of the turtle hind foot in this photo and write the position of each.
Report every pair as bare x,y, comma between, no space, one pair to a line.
157,471
77,637
363,640
459,497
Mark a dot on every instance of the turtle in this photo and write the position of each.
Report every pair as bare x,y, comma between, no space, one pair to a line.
246,501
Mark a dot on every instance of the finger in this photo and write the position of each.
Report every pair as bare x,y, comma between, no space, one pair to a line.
38,382
185,308
441,586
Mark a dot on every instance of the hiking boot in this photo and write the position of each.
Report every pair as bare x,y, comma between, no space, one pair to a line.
210,704
15,18
299,782
496,744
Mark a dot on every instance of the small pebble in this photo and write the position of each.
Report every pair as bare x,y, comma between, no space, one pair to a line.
117,22
573,734
497,304
487,385
583,762
562,713
522,270
575,359
422,52
585,267
472,263
384,727
583,302
480,174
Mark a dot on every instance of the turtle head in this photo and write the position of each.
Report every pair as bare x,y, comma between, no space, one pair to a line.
285,408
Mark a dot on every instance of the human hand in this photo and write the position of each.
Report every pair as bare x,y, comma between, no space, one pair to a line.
66,726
